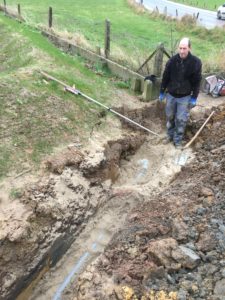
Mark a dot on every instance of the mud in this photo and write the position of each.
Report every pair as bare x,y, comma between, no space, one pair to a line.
172,246
51,213
161,249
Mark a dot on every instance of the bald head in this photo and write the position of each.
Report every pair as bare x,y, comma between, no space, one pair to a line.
185,41
184,47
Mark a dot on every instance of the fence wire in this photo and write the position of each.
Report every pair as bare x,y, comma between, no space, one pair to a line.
125,48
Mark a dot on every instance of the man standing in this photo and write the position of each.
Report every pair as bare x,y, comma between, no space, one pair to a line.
180,85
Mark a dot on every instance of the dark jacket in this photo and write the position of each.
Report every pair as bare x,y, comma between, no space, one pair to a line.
182,77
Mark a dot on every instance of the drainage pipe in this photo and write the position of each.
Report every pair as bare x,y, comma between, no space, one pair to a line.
77,92
144,163
77,267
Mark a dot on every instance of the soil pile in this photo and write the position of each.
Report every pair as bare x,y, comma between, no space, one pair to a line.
52,212
173,246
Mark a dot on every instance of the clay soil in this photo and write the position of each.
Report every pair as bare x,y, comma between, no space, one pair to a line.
173,245
164,228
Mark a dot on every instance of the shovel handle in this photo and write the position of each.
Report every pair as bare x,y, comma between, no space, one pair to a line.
199,131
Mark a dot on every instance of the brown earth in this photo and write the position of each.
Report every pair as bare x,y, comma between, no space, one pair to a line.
172,246
168,243
40,225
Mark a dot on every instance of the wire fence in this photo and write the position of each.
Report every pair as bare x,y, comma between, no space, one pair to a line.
125,48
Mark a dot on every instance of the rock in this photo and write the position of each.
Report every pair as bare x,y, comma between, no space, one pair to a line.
187,257
87,276
200,211
186,285
194,288
179,230
211,256
193,234
191,246
222,229
206,242
223,272
160,251
17,234
182,295
8,280
222,244
211,269
170,279
104,261
219,289
133,251
157,272
206,192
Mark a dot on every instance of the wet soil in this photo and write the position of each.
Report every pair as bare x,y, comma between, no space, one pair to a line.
172,246
127,191
39,226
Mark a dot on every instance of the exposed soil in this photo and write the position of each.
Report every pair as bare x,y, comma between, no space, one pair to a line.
39,226
172,246
124,217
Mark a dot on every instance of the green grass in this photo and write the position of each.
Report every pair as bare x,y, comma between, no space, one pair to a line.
16,193
134,35
37,116
207,4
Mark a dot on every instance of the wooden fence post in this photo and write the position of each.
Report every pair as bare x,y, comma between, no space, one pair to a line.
165,11
4,6
50,17
107,38
158,62
19,11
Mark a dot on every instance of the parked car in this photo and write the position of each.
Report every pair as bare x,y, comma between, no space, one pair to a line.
221,12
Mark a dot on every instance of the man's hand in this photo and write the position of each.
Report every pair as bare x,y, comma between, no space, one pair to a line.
161,96
192,102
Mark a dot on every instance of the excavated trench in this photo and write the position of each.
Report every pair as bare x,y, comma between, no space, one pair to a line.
73,212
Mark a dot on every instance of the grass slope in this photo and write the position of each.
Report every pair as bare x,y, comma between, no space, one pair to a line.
137,34
37,116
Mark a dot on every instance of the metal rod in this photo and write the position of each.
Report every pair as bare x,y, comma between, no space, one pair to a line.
77,92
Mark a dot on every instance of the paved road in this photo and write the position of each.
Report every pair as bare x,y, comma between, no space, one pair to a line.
206,18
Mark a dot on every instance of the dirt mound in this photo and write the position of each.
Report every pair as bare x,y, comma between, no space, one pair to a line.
69,157
173,246
52,212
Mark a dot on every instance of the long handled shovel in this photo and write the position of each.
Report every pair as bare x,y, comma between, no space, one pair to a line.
182,158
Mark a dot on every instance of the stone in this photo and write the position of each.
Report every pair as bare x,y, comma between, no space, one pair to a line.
222,229
160,250
219,289
211,269
223,272
151,91
87,276
187,257
182,295
206,242
136,84
206,192
179,230
191,246
155,273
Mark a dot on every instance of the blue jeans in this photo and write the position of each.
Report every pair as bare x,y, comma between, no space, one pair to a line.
177,114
